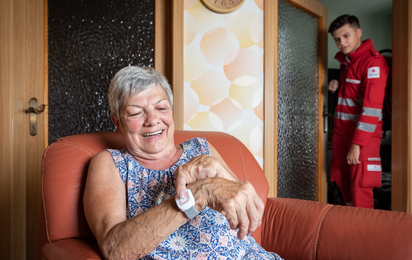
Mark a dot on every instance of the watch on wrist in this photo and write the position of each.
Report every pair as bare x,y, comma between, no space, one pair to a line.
187,204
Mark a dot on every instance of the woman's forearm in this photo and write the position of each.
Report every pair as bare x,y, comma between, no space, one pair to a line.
140,235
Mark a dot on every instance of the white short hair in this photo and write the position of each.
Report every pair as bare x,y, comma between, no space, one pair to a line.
132,80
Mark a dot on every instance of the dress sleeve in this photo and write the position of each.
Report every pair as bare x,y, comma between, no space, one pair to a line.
119,162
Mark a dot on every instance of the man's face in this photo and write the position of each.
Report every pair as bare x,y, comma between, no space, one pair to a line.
347,39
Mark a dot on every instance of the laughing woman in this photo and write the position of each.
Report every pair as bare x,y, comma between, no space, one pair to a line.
158,200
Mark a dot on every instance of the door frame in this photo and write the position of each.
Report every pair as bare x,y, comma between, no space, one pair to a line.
402,106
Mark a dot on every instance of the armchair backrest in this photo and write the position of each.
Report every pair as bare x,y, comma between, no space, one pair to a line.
64,170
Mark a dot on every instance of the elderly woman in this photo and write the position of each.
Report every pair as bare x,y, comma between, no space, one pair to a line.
136,199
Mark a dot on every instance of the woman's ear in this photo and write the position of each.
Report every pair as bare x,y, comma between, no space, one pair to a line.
115,121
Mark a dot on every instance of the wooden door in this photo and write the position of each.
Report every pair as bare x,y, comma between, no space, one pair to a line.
21,78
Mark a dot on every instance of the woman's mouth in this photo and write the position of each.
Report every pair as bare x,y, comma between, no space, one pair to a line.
148,135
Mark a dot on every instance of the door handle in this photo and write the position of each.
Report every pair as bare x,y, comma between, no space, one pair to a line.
325,119
33,110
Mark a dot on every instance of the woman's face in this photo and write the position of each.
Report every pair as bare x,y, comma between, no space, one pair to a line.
147,124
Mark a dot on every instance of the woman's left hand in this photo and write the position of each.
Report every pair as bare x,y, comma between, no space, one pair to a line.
236,200
200,167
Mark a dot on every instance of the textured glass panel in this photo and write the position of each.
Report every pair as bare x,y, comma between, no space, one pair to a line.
89,41
297,103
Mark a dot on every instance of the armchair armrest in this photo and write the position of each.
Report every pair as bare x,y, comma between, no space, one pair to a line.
290,227
71,249
299,229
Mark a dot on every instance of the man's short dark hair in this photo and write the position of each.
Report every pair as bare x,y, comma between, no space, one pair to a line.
342,21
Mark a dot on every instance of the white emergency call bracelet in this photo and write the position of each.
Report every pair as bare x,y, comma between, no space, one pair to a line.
187,204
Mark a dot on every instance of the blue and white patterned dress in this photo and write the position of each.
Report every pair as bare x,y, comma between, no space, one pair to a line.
207,236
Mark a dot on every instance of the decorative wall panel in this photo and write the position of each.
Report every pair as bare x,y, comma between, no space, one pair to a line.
223,72
88,42
297,103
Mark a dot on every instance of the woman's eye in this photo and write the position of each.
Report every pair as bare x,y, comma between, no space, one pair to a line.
136,114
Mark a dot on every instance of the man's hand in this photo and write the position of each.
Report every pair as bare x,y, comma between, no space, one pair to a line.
236,200
353,154
333,85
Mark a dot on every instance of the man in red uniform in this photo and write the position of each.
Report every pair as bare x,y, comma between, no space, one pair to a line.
356,139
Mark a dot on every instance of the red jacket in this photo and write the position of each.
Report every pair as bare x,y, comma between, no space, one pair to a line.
362,90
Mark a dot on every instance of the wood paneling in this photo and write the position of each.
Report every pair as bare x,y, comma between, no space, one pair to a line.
270,95
22,77
322,11
402,106
177,52
6,147
169,51
163,38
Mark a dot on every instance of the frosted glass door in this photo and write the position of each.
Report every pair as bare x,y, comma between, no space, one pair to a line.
298,95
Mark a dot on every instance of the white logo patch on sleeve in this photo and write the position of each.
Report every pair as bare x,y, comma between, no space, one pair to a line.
373,72
374,168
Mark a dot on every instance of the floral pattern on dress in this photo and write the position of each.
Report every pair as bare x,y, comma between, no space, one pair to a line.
207,236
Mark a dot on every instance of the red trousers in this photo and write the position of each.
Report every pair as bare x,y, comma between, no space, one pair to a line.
356,182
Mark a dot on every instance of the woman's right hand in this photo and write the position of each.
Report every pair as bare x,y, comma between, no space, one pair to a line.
200,167
333,85
236,200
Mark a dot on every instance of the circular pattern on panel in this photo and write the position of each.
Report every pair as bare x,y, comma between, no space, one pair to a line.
223,59
248,96
191,104
243,67
190,29
205,20
217,43
259,3
194,63
210,86
206,121
240,23
251,135
229,112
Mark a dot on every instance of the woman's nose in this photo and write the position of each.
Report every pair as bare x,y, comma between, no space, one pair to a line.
152,118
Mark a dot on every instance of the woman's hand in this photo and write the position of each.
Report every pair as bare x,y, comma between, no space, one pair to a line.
236,200
200,167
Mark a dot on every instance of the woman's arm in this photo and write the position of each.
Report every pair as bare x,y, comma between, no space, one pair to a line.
216,186
105,210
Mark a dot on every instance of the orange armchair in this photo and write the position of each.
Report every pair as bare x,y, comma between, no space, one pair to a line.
295,229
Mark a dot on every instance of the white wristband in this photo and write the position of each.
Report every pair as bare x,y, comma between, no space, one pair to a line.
187,204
